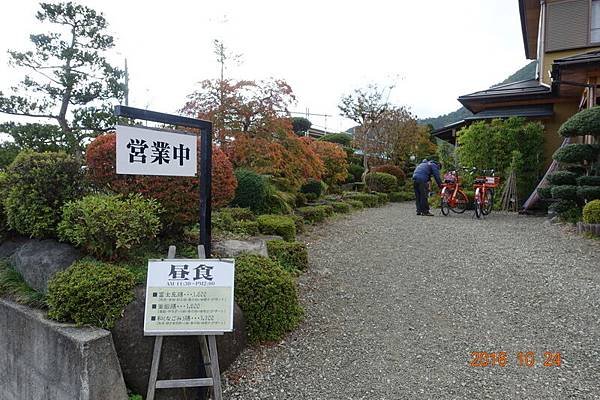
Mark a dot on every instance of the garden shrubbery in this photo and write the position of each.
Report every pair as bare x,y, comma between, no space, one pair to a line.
392,170
576,153
588,181
591,212
588,193
108,226
280,225
268,296
292,256
38,184
312,187
397,197
90,293
251,191
586,122
368,200
381,182
563,178
340,207
356,204
567,192
312,214
238,221
355,172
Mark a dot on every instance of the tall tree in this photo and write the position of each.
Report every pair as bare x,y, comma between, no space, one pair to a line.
366,107
72,83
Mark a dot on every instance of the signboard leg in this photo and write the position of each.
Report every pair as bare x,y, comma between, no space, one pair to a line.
154,368
214,366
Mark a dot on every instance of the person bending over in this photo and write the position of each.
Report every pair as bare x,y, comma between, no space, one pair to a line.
421,178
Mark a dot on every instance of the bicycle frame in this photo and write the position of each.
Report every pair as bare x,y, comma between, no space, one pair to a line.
484,185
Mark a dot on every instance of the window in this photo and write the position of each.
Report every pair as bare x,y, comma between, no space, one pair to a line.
595,25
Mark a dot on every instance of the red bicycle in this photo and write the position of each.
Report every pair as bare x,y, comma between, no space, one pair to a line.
484,192
453,197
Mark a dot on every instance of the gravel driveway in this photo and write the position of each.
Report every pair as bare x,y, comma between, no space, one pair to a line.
395,305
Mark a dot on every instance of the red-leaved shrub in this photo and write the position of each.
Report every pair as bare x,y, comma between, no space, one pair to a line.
179,196
334,158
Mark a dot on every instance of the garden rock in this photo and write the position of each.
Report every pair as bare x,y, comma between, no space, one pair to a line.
38,260
9,247
180,358
233,248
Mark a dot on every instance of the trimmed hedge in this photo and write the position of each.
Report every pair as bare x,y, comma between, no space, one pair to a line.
251,191
281,225
240,214
562,206
591,212
562,178
292,256
90,293
545,192
355,171
368,200
313,214
314,187
268,296
588,193
392,170
224,221
576,169
397,197
355,204
340,207
588,181
576,153
108,226
381,182
564,192
586,122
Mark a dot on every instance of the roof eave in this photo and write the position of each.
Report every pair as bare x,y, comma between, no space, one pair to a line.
530,41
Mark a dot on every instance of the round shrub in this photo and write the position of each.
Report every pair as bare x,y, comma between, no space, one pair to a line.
292,256
268,296
392,170
39,184
109,226
576,153
281,225
251,191
586,122
340,207
381,182
564,192
545,192
90,293
588,193
312,214
591,212
314,187
562,178
344,139
355,204
178,195
562,206
588,181
356,172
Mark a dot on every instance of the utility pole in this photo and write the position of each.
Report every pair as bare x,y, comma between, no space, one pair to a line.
126,83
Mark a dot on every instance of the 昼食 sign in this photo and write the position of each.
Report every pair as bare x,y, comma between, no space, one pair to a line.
146,151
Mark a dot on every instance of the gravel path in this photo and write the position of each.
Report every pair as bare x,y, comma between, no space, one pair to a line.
396,303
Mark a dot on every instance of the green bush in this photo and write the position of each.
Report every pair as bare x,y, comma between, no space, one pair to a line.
340,207
327,209
239,214
382,198
586,122
397,197
355,204
108,226
576,169
223,221
90,293
545,192
562,178
368,200
588,193
312,214
268,296
381,182
314,187
281,225
572,215
301,199
356,172
562,206
340,138
292,256
588,181
564,192
591,212
251,191
39,185
299,222
576,153
3,222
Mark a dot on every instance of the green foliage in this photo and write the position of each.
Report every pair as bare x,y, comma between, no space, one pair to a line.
8,153
39,184
268,296
355,171
562,206
13,286
355,204
586,122
588,181
292,256
135,397
340,138
239,214
301,199
576,153
545,192
382,198
434,201
588,193
312,214
572,215
381,182
90,293
578,170
562,178
446,154
278,202
251,191
492,146
368,200
340,207
591,212
300,125
109,226
312,186
397,197
38,137
564,192
392,170
238,221
281,225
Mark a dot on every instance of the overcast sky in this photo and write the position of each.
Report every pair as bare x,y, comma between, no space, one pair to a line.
432,51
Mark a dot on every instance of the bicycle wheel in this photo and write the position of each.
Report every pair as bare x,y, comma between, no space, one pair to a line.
461,203
488,202
478,209
444,206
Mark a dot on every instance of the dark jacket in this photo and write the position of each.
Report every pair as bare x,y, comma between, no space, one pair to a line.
425,171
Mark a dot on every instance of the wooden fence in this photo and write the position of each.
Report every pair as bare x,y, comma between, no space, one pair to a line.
591,228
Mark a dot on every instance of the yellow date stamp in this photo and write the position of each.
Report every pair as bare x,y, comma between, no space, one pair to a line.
520,359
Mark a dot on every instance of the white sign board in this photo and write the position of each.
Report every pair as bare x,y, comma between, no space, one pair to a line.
144,151
189,297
